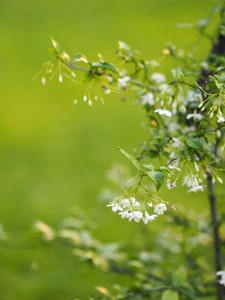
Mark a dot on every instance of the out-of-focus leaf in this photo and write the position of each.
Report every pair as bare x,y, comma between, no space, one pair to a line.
170,295
179,277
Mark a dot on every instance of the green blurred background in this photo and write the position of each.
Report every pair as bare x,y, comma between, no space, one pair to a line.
54,155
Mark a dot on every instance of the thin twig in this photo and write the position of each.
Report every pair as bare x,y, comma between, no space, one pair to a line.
172,160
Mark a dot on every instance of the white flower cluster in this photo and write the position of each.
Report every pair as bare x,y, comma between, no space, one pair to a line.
222,274
193,183
128,210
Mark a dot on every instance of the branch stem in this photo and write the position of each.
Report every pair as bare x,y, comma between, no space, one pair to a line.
216,238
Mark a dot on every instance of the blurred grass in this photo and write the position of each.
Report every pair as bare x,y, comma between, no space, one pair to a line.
54,155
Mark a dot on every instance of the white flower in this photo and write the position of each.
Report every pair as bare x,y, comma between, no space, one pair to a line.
130,204
177,143
158,77
123,81
163,112
173,185
85,98
182,109
75,101
172,126
195,116
190,180
148,98
160,208
60,78
165,88
43,80
168,184
134,202
152,217
89,102
192,97
188,129
196,188
148,218
108,91
174,167
220,118
222,274
196,167
219,179
115,206
124,214
125,203
137,216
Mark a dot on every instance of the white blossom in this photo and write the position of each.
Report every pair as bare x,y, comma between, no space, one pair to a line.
60,78
196,188
163,112
123,81
165,88
115,206
177,143
158,77
168,184
148,99
188,129
191,97
43,80
174,167
220,118
124,214
195,116
160,208
182,109
108,91
190,180
137,216
222,279
148,218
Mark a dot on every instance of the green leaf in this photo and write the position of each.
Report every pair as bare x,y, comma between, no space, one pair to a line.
105,66
166,169
131,159
179,277
157,178
196,143
153,154
165,154
170,295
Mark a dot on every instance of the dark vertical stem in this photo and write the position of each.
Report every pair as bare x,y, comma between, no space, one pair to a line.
217,248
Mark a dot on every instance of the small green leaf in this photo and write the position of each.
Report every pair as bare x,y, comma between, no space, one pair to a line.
153,154
105,66
131,158
166,169
196,143
165,154
170,295
179,277
157,178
